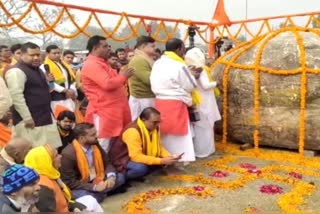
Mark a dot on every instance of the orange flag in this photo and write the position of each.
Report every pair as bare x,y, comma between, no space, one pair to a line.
220,16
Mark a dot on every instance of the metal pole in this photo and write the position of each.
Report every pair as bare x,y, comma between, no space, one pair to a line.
246,9
246,18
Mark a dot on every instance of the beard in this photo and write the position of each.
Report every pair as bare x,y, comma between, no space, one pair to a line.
65,128
26,204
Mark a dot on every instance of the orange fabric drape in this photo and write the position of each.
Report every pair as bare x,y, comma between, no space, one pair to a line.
58,109
78,114
5,135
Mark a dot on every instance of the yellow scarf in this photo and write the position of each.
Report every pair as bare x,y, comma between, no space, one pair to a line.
83,163
41,160
151,147
216,90
57,73
196,98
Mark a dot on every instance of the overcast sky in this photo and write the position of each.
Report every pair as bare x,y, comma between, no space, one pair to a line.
202,10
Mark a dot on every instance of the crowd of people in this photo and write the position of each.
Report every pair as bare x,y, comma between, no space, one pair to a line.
72,137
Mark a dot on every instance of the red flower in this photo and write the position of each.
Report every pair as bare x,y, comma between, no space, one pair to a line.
255,171
198,188
154,192
219,174
247,166
295,175
271,189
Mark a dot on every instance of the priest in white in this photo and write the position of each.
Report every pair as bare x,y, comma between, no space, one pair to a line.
208,108
173,82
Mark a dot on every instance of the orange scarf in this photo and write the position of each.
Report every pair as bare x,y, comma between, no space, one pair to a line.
78,114
5,135
83,164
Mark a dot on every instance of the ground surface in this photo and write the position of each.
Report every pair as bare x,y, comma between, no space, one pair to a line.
231,181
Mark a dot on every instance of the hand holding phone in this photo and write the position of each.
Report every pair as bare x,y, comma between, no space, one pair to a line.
178,157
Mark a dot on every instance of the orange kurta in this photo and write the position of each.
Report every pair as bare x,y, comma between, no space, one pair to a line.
5,135
105,90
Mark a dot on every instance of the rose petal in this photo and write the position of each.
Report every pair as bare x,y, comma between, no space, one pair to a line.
271,189
247,166
295,175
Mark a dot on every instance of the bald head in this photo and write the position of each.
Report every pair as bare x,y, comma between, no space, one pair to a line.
17,148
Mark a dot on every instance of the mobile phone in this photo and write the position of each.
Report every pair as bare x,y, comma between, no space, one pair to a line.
179,156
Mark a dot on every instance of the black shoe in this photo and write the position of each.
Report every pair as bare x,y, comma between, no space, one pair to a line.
121,189
141,180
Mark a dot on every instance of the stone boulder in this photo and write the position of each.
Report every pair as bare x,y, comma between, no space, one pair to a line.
279,94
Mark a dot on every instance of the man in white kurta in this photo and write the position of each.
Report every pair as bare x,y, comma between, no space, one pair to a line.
172,83
5,99
34,119
63,89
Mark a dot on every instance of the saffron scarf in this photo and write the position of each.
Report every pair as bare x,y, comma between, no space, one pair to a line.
83,164
41,160
216,90
196,98
57,73
151,147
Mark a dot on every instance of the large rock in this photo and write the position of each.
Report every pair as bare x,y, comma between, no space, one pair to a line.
279,94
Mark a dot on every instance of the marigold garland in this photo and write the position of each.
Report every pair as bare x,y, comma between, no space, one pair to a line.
219,30
137,204
288,201
257,68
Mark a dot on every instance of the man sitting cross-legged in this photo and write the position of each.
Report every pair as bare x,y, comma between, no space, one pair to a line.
139,148
85,167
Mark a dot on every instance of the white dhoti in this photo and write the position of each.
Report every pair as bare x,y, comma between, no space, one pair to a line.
137,105
68,103
39,136
203,140
91,203
177,145
104,142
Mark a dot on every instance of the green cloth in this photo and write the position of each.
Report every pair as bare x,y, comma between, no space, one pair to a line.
139,83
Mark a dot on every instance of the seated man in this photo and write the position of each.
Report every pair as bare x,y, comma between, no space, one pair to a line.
65,121
20,190
85,167
139,146
13,153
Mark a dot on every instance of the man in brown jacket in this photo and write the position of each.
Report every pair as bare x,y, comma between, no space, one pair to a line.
138,150
85,167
